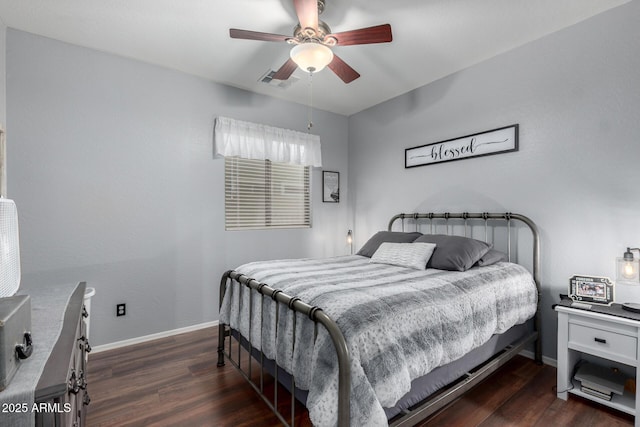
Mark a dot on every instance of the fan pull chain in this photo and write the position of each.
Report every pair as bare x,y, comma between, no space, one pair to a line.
310,115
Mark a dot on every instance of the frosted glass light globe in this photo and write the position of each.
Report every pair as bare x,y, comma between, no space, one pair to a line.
311,57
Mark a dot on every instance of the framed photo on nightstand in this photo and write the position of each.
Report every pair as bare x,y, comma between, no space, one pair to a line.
591,289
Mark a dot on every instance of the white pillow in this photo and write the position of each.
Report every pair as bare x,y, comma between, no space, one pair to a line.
411,255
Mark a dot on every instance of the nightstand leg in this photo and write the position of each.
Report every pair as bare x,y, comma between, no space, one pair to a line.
567,359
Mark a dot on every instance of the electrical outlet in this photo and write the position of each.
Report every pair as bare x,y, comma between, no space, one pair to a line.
121,310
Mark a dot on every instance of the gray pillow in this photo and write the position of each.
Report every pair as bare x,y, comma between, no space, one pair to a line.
492,257
454,253
380,237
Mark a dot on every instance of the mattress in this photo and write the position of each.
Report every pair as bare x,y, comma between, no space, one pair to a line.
399,324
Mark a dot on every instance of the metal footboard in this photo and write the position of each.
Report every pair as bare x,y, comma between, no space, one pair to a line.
313,313
434,403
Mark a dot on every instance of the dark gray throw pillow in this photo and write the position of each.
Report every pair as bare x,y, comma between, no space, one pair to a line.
454,253
380,237
492,257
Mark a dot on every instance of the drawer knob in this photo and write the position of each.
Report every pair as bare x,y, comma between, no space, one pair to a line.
600,340
74,385
87,346
23,351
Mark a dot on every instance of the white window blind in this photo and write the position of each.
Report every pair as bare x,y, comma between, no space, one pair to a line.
263,194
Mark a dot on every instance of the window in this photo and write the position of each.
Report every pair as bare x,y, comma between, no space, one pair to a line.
263,194
267,175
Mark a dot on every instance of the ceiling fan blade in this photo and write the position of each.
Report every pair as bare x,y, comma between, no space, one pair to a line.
343,70
307,11
376,34
256,35
286,70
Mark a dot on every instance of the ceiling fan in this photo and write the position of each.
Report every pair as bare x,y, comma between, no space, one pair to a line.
313,40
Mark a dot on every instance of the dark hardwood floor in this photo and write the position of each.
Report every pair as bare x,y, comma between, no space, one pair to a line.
175,382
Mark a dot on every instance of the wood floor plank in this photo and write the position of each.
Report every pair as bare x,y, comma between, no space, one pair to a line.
175,381
476,406
524,408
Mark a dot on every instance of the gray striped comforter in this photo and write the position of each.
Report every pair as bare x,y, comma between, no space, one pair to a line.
399,324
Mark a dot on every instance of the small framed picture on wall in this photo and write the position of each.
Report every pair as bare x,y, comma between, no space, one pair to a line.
330,187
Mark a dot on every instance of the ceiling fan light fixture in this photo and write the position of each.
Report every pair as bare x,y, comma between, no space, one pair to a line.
311,57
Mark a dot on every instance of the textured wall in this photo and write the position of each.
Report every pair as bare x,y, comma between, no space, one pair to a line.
3,107
3,74
112,169
576,96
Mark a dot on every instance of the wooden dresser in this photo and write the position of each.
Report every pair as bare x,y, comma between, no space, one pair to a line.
62,388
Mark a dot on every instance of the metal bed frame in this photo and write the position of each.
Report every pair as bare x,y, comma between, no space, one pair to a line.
433,403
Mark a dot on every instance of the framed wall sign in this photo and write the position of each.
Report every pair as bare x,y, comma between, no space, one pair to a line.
590,289
331,187
501,140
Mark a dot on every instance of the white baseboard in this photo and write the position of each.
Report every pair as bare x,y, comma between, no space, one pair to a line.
145,338
546,360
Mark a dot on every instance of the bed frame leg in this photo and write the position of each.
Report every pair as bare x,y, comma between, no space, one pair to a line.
538,328
221,329
221,333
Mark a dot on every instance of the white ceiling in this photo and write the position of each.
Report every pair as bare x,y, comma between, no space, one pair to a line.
431,38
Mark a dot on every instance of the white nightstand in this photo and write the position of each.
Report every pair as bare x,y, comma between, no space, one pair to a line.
583,332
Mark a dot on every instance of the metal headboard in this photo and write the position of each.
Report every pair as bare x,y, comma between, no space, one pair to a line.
466,217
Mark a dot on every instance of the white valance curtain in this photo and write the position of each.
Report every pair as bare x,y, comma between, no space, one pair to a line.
261,142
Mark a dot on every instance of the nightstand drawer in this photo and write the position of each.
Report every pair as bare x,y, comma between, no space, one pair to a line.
600,342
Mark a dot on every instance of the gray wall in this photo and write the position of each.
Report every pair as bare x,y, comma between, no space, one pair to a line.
576,96
111,166
3,104
3,74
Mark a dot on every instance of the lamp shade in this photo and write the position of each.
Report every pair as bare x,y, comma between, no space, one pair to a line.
627,289
628,270
311,57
